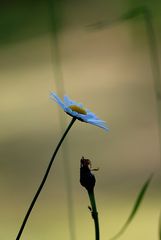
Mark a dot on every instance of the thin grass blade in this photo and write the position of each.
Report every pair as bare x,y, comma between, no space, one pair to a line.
136,206
160,226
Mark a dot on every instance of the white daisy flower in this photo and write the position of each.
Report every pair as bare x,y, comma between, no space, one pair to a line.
77,111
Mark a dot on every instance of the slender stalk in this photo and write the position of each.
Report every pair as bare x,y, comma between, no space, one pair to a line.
43,180
94,213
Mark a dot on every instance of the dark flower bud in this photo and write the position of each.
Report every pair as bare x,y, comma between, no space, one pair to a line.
87,179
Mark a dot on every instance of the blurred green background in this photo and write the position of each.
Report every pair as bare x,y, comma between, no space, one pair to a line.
99,53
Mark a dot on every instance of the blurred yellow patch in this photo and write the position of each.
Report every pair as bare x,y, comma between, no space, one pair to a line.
78,109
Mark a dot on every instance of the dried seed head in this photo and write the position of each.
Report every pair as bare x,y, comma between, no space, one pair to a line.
87,179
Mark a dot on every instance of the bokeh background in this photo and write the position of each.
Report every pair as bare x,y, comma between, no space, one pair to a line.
105,54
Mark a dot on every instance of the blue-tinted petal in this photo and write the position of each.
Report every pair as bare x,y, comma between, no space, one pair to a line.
68,110
96,121
72,113
80,105
82,116
57,99
94,118
100,124
68,102
91,114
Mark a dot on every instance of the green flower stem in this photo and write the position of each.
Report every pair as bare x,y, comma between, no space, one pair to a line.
94,213
43,180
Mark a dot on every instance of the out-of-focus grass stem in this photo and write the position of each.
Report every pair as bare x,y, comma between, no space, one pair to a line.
144,11
135,208
154,57
153,51
55,20
159,230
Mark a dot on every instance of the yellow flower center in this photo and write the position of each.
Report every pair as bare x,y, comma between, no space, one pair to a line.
78,109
